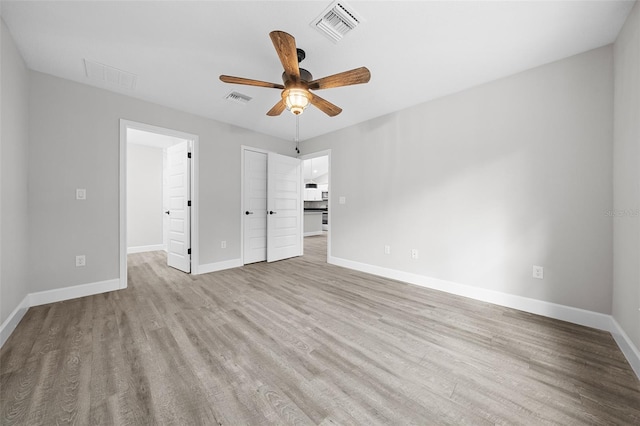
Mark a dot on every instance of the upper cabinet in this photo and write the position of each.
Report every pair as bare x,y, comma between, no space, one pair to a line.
312,194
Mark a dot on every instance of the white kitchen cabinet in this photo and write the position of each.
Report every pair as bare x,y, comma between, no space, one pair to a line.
312,194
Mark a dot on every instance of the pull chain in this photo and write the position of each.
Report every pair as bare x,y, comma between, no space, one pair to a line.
298,134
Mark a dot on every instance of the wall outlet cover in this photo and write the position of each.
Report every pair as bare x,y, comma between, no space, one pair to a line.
538,272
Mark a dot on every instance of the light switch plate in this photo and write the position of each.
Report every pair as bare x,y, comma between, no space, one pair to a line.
81,194
342,200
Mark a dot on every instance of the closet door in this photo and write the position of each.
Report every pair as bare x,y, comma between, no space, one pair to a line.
284,207
255,207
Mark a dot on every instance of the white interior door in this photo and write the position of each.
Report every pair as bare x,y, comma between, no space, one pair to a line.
284,205
255,207
179,237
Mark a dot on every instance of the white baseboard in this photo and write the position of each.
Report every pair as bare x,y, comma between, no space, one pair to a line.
548,309
13,319
534,306
627,347
73,292
143,249
52,296
218,266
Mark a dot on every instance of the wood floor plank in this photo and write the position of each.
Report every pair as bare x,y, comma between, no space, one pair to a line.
71,403
303,342
16,355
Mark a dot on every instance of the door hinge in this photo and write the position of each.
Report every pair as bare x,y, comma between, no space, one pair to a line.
188,251
188,155
189,203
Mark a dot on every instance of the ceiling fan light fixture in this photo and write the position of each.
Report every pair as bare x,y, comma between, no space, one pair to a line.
297,100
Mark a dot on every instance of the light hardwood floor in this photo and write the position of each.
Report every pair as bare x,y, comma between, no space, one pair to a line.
303,342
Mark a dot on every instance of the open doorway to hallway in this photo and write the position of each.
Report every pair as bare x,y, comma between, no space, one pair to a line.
317,196
157,184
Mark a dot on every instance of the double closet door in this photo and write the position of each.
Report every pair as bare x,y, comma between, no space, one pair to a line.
272,207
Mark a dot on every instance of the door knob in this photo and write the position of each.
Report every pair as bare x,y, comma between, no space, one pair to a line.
248,212
272,212
167,212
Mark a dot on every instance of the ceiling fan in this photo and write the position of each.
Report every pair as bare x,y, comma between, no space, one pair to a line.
298,82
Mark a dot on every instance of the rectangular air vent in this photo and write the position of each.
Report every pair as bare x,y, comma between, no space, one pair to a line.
111,75
336,21
238,97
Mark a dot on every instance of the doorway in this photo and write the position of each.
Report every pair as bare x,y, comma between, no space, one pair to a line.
158,187
317,173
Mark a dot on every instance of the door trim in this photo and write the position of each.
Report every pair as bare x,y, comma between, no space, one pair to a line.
326,152
128,124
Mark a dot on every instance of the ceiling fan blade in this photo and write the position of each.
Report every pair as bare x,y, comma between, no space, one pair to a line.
249,82
325,106
277,109
285,46
347,78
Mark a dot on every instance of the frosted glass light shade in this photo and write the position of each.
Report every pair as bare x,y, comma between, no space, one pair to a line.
297,100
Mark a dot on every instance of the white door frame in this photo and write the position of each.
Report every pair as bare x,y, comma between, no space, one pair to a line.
324,153
128,124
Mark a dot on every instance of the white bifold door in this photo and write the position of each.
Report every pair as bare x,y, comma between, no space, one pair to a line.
273,207
284,207
179,232
255,207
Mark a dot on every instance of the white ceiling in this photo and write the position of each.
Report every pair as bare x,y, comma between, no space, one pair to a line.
416,50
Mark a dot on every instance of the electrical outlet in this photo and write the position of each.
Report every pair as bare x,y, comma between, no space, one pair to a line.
414,253
387,249
223,244
538,272
81,194
81,261
342,200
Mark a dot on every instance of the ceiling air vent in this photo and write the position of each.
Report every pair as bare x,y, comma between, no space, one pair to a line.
336,21
111,75
238,97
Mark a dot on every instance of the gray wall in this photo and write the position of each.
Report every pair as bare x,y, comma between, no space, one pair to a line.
14,113
144,195
74,142
626,178
487,183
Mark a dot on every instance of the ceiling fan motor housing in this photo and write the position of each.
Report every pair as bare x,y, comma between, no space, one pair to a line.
304,76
